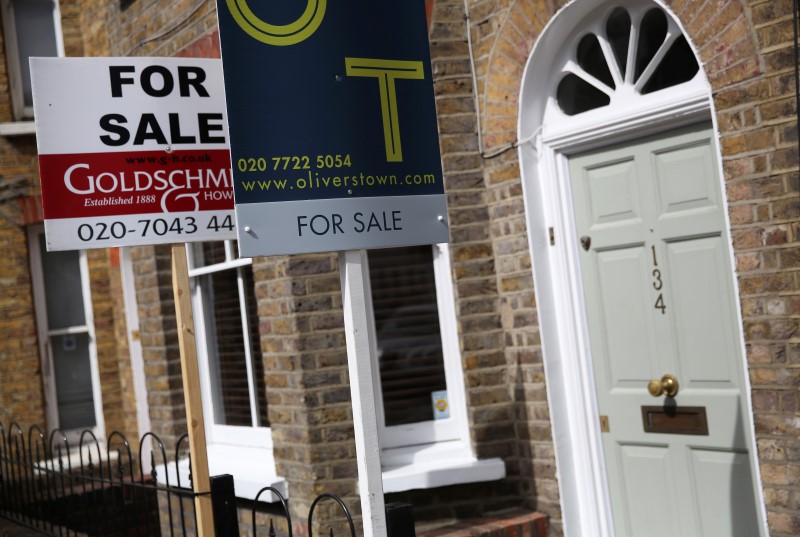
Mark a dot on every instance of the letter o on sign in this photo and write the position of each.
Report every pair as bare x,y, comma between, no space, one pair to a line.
320,228
280,36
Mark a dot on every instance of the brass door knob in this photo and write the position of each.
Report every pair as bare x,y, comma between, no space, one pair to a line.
668,385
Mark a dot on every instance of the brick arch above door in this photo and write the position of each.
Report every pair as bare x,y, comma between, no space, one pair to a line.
503,40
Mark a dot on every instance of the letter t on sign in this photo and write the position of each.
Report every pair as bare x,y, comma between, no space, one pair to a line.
386,71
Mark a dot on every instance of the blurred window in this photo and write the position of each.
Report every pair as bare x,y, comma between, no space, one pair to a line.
32,28
66,337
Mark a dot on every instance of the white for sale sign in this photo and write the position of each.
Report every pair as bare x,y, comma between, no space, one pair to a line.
132,151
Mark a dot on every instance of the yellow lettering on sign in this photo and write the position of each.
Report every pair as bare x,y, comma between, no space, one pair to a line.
283,35
387,71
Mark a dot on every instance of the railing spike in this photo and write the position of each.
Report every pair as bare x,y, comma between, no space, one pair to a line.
120,466
153,472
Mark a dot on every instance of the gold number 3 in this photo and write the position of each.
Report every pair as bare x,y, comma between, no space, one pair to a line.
280,36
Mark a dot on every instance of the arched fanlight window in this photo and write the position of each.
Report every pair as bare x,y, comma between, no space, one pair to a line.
627,54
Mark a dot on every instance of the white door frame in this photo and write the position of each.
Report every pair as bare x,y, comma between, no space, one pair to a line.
585,502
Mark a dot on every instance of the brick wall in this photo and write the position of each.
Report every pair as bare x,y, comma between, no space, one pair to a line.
503,361
157,27
750,64
81,27
127,400
503,34
159,340
20,371
72,28
307,381
20,375
20,207
105,324
490,375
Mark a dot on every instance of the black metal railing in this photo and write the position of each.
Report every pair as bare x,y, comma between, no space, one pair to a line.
93,488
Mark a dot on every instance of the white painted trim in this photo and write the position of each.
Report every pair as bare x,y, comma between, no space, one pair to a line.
17,128
586,510
229,435
360,337
40,311
82,329
209,269
248,351
20,111
251,468
431,475
543,161
97,393
436,464
433,453
135,351
451,349
12,60
199,302
603,129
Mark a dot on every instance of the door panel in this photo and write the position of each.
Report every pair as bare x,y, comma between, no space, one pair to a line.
623,315
612,193
685,179
722,479
652,500
658,290
705,341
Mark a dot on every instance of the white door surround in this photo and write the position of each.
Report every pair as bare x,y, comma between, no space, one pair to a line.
553,136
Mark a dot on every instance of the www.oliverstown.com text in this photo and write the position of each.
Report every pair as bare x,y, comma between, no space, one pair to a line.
317,180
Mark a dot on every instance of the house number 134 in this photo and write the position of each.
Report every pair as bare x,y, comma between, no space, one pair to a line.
658,284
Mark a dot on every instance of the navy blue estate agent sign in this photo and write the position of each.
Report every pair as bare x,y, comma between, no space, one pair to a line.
332,125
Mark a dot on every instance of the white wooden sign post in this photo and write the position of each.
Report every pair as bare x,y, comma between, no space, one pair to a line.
360,335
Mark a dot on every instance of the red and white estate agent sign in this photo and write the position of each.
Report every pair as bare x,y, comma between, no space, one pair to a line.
132,151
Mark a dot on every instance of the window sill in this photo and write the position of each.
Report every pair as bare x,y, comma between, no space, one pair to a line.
77,459
436,474
444,464
252,469
17,128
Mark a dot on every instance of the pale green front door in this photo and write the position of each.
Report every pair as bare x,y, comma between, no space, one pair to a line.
659,295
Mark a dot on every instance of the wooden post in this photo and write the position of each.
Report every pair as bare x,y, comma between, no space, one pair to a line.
359,331
201,481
